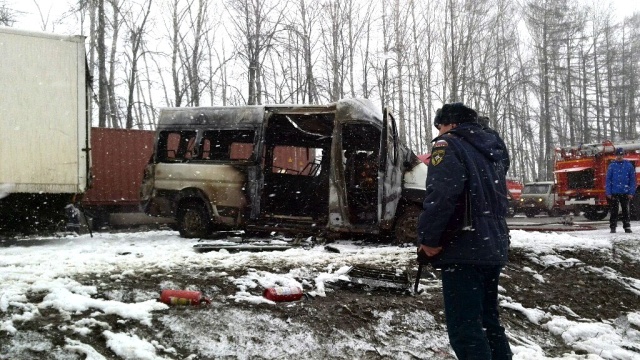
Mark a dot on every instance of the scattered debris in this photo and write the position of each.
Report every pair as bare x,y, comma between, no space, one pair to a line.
283,293
380,279
183,297
244,247
331,248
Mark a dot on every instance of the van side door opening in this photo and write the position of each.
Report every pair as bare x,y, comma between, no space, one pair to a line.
361,159
297,156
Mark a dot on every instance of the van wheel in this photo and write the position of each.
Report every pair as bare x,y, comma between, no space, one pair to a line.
193,220
406,229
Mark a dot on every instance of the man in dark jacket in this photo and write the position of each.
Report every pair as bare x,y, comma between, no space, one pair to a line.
463,232
620,188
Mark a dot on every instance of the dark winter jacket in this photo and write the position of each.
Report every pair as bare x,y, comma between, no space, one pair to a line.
621,178
467,168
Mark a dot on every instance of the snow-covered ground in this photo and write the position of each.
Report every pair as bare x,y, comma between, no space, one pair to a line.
63,279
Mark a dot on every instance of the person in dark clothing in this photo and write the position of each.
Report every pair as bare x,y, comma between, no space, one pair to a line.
620,188
484,122
462,230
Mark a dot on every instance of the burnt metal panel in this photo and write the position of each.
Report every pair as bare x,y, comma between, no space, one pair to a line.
358,109
119,157
218,117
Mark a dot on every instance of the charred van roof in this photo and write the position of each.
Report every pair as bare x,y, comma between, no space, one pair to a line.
254,115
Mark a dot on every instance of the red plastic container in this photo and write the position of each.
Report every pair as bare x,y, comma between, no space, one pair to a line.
283,293
183,297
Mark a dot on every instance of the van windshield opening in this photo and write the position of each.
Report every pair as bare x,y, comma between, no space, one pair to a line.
536,189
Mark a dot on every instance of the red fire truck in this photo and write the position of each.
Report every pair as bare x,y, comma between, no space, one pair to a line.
580,176
515,188
515,191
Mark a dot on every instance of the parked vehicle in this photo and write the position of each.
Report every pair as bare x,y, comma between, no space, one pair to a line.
541,197
515,190
217,168
44,122
581,173
119,157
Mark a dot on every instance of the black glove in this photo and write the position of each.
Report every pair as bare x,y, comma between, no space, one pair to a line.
423,258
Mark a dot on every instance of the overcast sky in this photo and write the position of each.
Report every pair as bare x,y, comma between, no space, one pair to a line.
31,20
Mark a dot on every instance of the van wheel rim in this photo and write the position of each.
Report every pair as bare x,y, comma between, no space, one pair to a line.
192,222
407,227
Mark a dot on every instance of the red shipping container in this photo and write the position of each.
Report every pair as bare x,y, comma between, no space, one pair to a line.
118,158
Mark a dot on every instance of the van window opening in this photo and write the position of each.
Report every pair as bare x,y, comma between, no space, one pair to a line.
227,145
295,160
176,146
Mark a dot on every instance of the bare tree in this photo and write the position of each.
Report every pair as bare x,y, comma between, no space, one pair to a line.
547,22
7,16
424,61
177,17
136,31
332,35
116,22
103,96
258,23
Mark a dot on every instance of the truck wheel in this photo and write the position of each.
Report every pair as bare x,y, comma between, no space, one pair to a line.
193,220
634,207
557,212
100,219
531,213
406,228
596,214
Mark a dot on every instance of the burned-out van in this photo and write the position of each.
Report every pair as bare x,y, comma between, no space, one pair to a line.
329,170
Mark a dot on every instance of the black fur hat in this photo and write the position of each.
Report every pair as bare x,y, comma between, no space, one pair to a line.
455,113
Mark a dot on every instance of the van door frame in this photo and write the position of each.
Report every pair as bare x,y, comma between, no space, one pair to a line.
390,172
255,172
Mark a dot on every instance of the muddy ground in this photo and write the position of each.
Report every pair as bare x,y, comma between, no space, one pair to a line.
574,284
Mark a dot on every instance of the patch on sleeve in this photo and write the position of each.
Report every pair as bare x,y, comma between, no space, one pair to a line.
440,143
437,156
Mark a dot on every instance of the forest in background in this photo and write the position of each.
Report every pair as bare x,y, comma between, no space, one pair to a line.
548,73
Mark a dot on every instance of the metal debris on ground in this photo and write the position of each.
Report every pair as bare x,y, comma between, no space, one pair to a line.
242,247
331,248
379,279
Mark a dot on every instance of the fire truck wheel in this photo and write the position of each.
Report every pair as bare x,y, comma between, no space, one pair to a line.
634,208
596,214
406,230
557,213
193,220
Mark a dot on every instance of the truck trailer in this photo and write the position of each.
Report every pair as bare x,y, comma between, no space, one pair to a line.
44,128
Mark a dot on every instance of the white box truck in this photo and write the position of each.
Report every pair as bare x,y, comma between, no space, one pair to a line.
44,127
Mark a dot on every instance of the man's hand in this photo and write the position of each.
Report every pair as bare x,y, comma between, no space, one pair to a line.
630,196
430,251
